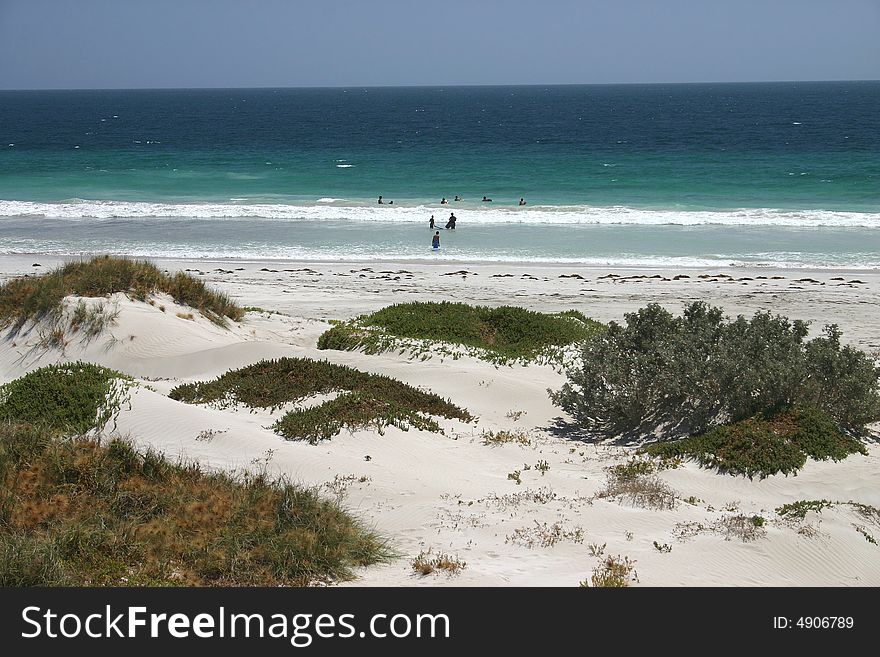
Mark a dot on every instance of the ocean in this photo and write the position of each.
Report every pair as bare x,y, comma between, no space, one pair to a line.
690,175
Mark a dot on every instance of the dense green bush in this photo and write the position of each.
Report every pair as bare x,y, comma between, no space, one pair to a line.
74,512
668,376
760,446
70,397
502,334
368,399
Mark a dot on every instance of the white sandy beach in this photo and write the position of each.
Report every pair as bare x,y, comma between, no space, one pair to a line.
451,492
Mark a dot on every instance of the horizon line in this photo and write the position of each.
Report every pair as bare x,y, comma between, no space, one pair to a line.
432,86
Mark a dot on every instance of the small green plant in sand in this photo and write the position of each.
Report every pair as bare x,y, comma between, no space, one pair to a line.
427,562
73,398
500,335
75,512
37,298
795,513
861,529
613,572
503,437
762,446
516,476
364,400
633,469
663,548
799,509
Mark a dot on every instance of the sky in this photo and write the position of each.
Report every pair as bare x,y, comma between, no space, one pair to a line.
66,44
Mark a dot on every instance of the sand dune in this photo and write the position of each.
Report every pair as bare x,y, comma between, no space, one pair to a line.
451,492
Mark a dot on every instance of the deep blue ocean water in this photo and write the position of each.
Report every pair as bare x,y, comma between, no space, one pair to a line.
769,173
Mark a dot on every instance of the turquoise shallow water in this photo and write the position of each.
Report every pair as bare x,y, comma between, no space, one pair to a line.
778,174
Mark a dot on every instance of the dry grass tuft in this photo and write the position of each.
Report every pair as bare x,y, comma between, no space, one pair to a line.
613,572
427,563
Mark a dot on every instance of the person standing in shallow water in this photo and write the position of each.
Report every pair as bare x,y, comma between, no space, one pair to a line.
451,223
380,201
435,241
431,222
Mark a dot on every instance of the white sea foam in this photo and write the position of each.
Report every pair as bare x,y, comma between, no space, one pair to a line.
328,209
344,166
289,253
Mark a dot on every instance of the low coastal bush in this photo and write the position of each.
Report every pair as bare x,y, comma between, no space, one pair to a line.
72,398
665,376
367,400
501,335
761,447
74,512
35,298
798,510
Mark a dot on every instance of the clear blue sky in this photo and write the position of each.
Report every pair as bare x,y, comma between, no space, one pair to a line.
280,43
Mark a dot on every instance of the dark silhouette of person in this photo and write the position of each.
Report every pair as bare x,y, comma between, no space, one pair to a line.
451,223
380,201
431,222
522,201
443,201
488,200
457,198
435,241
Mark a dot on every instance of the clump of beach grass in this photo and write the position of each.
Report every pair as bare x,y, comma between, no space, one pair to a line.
76,512
365,400
500,335
38,298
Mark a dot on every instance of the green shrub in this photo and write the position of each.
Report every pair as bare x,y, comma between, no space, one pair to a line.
353,410
78,513
800,508
501,334
371,399
674,376
34,298
762,447
70,398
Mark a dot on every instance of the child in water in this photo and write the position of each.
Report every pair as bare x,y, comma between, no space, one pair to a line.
435,241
